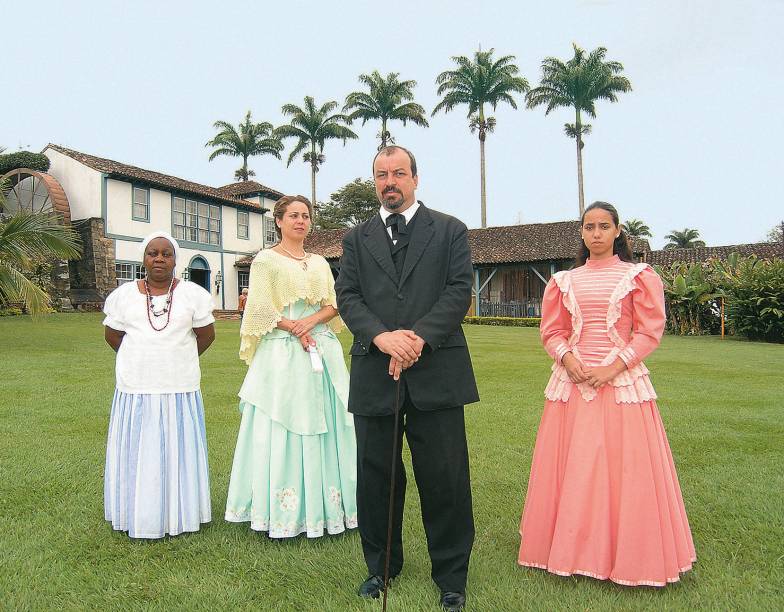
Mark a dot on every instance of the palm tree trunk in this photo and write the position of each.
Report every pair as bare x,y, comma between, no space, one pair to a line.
313,166
579,141
383,133
244,167
482,180
482,183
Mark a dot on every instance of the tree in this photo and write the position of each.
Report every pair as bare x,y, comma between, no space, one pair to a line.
476,83
349,205
27,240
636,228
388,99
312,127
776,234
578,83
246,140
686,239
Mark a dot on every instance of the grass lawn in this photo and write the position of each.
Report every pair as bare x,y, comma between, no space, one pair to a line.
722,404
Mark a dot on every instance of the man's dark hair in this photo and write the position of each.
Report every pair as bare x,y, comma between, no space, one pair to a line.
387,151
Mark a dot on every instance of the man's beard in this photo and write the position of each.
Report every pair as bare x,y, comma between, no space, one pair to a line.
390,204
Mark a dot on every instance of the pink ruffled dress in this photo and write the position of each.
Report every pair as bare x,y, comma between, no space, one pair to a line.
603,496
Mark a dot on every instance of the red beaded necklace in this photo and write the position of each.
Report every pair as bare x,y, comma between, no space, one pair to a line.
166,309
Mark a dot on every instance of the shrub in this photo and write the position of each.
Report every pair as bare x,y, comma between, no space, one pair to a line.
10,311
503,321
690,293
754,291
23,159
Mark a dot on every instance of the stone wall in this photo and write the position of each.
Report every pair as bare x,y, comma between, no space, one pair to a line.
93,276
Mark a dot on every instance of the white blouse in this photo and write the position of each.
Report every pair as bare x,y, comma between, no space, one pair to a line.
150,361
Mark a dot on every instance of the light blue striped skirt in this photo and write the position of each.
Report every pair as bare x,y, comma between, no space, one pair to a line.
156,480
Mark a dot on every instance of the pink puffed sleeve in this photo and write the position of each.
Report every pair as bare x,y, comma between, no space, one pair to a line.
648,317
556,324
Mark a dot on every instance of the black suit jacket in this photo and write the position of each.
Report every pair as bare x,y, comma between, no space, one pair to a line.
431,297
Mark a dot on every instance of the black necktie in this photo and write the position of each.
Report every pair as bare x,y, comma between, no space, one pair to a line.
397,222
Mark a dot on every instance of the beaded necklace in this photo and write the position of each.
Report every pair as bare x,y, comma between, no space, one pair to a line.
302,260
166,310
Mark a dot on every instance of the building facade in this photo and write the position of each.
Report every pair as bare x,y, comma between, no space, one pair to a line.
114,206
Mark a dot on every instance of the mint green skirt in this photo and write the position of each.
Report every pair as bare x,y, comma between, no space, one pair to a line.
294,467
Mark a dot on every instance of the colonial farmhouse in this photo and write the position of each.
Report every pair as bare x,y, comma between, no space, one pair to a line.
513,263
113,206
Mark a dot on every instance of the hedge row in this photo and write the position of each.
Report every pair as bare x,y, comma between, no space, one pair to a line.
23,159
503,321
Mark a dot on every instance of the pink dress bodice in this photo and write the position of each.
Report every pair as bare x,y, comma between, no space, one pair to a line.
602,311
593,286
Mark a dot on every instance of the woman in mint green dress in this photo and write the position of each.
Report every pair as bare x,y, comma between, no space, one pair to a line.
294,465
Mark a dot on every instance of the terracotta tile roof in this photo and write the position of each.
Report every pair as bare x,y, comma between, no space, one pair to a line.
327,243
155,179
245,188
492,245
530,242
763,250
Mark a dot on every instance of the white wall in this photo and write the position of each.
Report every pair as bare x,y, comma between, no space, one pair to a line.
82,184
213,260
230,240
119,210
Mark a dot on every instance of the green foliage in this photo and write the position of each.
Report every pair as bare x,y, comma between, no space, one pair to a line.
636,228
387,99
504,321
686,239
690,292
350,205
578,83
776,234
249,140
312,126
479,81
28,242
23,159
11,311
754,290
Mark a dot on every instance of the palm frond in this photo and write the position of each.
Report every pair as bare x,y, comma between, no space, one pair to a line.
16,287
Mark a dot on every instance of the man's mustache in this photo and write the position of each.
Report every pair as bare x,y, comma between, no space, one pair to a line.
391,190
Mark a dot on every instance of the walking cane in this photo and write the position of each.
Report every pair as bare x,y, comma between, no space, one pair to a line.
392,492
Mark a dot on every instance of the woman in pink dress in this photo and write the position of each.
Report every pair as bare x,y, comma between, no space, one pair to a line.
603,496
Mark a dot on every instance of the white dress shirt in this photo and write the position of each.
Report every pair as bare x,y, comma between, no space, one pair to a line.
408,214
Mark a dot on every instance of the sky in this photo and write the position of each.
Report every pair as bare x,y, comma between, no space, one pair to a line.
696,144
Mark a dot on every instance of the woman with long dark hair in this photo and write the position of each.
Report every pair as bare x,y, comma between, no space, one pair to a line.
603,495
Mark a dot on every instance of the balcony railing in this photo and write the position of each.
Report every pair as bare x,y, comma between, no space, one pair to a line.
526,308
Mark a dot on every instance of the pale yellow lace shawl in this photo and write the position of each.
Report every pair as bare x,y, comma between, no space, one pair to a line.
276,282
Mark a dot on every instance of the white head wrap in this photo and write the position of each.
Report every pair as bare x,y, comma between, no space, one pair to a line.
168,237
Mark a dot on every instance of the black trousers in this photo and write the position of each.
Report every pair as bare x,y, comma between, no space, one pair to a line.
439,455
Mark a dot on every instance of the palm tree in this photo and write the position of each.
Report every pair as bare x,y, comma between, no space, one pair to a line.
250,139
27,239
475,83
388,98
578,83
312,127
636,228
686,239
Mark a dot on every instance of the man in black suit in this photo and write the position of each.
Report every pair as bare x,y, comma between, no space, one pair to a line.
403,290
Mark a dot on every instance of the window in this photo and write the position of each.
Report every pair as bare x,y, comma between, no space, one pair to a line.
141,204
195,221
127,271
270,236
243,276
243,222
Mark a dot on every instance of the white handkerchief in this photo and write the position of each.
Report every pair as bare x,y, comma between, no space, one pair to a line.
315,359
